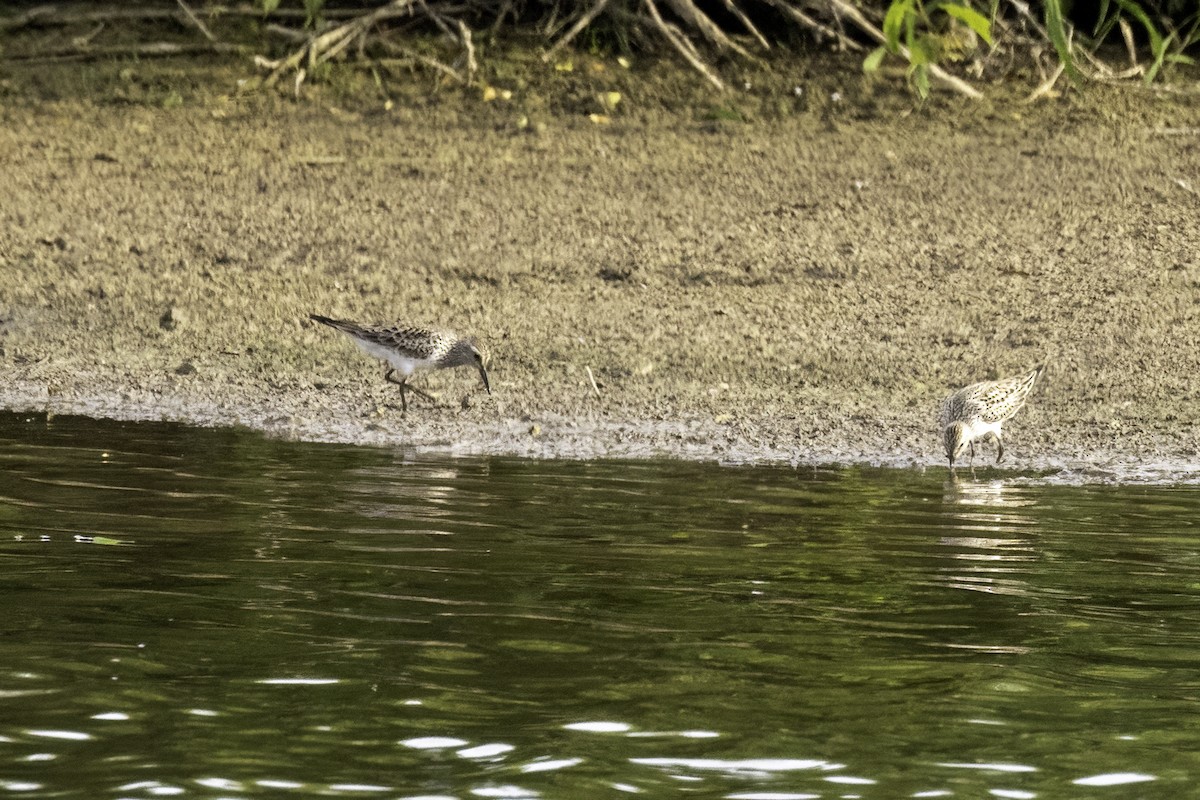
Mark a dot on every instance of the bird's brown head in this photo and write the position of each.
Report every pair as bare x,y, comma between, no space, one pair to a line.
955,439
469,353
482,360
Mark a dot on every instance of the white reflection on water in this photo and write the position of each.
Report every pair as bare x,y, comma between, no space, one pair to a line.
75,736
598,727
485,750
503,791
549,766
433,742
744,766
1114,779
990,767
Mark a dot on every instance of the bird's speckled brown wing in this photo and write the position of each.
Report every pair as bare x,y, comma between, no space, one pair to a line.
414,342
411,341
991,401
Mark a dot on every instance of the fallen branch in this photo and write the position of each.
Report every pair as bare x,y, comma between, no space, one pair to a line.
464,34
584,20
790,10
733,8
690,13
338,37
680,43
53,15
411,55
200,26
151,50
1045,86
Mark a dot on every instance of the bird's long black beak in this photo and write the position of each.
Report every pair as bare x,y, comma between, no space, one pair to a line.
483,374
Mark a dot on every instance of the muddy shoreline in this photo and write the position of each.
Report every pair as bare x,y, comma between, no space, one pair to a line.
800,289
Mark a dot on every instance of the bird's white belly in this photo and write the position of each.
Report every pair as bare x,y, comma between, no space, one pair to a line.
405,365
978,429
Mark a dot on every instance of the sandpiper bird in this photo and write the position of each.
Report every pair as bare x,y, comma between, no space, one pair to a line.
977,411
408,349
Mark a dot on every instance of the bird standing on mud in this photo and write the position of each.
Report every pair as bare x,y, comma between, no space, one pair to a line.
407,350
977,411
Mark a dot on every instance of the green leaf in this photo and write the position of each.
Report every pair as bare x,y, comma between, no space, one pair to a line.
1137,12
1058,37
1158,60
897,12
922,51
972,18
268,6
920,78
872,61
1101,16
1179,58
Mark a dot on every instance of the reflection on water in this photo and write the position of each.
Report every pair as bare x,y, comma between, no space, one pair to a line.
211,614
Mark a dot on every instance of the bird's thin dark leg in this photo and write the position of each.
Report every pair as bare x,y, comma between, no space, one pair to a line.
431,398
972,446
387,376
999,448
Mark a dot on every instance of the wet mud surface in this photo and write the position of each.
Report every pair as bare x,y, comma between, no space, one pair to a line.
802,287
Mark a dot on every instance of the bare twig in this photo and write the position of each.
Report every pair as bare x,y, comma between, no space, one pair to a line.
867,27
1045,86
426,60
680,42
733,8
804,19
339,37
689,12
592,378
584,20
464,34
51,15
149,50
200,26
438,20
1127,35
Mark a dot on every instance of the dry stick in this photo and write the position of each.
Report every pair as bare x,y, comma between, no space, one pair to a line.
290,34
688,11
318,44
48,15
1048,84
196,21
592,378
334,50
437,19
464,34
578,27
736,10
863,23
804,19
1127,35
682,45
403,51
152,49
83,41
505,10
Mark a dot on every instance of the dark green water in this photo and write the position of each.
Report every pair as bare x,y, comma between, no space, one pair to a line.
290,620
